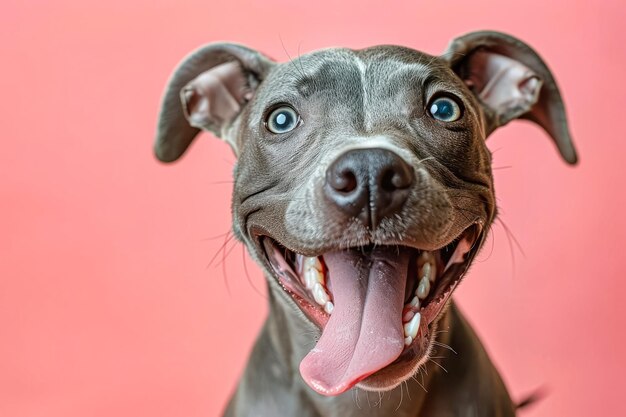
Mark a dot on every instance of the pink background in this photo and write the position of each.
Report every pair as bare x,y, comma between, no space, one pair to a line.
107,305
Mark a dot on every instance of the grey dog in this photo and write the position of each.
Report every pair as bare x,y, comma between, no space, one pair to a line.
364,189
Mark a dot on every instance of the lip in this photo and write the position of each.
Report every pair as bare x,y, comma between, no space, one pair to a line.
285,273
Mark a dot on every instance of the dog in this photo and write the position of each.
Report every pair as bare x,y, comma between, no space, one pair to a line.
363,188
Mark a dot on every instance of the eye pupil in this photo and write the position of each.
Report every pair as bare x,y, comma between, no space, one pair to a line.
445,109
282,120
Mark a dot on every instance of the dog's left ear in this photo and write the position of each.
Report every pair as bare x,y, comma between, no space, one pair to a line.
511,81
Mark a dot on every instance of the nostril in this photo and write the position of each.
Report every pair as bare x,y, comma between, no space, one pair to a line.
344,181
395,178
389,180
368,184
403,178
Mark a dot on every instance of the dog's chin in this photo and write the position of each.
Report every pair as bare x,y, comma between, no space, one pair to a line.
406,366
432,277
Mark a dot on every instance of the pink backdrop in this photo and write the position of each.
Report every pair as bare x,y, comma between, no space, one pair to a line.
107,305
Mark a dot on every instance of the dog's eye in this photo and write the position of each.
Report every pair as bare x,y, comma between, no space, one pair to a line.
445,109
282,120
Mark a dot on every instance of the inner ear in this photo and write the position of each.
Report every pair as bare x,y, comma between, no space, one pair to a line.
207,92
511,81
505,86
214,98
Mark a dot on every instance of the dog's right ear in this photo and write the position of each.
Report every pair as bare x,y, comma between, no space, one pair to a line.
207,91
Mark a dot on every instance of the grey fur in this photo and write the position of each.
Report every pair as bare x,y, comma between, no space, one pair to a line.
375,97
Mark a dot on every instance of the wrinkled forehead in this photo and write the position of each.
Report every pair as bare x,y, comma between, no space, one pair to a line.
345,76
367,91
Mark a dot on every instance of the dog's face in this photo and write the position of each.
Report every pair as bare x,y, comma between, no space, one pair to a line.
363,184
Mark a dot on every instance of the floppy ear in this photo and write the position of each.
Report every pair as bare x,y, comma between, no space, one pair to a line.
511,81
207,91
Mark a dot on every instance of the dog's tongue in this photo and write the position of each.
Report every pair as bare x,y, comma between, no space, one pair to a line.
364,333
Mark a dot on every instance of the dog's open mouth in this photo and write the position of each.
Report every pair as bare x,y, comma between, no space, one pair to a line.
374,304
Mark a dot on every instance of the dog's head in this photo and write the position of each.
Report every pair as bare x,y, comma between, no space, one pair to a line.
363,184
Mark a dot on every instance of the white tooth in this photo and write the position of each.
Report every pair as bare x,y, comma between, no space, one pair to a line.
313,262
425,257
425,272
411,328
311,277
433,272
408,316
423,288
408,340
319,294
329,307
299,262
415,302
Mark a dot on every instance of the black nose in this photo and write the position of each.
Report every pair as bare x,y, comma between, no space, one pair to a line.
369,184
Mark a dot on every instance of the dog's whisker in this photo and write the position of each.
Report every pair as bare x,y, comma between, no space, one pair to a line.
223,263
421,385
438,357
226,252
216,236
428,158
300,59
245,269
229,236
509,233
438,364
401,397
408,392
492,238
445,346
302,74
512,242
356,397
367,396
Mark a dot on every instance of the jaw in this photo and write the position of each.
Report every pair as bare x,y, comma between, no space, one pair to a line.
377,307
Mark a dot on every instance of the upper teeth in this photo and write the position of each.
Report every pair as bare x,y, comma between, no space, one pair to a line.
313,273
426,273
423,288
329,307
311,277
313,262
319,294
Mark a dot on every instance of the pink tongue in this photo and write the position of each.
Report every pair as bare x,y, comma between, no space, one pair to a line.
364,333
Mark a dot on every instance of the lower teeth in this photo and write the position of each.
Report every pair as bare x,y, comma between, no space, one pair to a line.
311,270
411,328
411,317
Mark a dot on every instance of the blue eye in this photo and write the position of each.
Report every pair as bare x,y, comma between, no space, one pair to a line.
445,109
282,120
